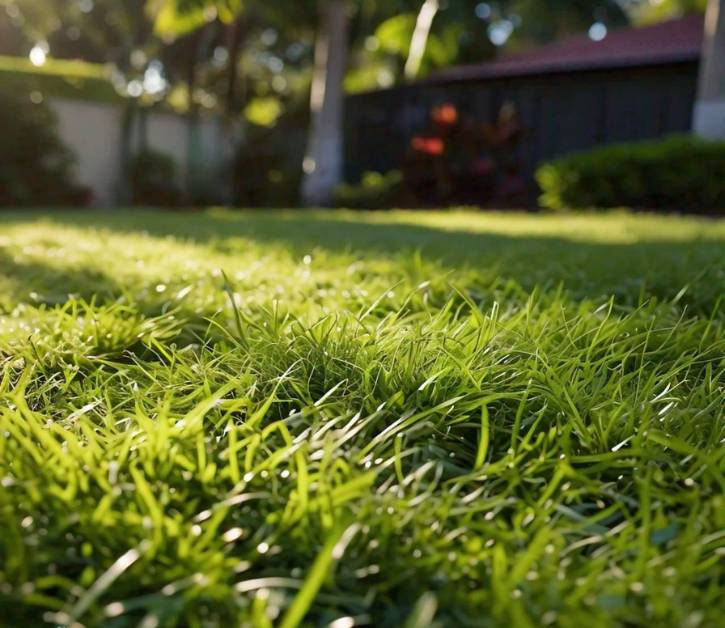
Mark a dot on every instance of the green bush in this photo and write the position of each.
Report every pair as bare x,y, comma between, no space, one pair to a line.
36,168
266,169
375,191
153,179
679,173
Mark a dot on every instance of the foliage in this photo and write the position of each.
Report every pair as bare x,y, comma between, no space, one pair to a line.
63,79
266,169
375,191
679,173
542,22
180,17
153,179
35,166
463,160
264,111
649,12
338,428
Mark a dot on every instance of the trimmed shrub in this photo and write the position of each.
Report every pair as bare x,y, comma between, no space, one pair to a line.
36,168
375,191
679,173
153,179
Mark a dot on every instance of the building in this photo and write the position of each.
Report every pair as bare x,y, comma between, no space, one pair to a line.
635,84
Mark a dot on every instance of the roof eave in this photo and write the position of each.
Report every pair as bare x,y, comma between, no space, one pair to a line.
483,73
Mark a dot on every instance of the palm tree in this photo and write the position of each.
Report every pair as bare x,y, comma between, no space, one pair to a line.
324,157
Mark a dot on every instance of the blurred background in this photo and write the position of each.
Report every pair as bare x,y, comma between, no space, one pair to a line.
368,103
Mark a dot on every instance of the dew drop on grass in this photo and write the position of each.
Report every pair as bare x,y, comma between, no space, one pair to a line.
114,609
232,535
242,566
60,618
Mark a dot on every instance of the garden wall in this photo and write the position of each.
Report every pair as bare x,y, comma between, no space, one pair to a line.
92,130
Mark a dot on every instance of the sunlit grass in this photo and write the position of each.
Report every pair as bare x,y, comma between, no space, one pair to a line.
369,419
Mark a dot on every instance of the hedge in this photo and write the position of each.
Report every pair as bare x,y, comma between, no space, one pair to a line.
679,173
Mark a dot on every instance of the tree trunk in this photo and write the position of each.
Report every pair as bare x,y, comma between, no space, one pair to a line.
233,123
709,120
419,43
191,173
234,47
324,159
194,153
124,193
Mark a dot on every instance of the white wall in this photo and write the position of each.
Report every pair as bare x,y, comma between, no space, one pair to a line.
93,132
168,134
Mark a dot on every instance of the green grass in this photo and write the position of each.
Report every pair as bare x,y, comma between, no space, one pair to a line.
345,419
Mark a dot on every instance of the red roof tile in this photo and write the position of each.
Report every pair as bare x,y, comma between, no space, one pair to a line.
673,41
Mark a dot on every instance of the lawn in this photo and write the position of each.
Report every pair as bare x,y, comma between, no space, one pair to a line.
344,419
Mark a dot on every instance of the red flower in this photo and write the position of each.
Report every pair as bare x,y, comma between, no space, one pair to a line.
429,145
445,115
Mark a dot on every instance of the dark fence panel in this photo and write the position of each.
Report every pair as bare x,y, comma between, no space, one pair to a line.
562,113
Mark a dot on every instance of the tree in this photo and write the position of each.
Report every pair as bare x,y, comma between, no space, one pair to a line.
343,29
419,42
710,107
324,159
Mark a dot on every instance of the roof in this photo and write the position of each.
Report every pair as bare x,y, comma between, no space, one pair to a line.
674,41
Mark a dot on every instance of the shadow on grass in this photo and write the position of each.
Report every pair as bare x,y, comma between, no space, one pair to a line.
47,283
663,268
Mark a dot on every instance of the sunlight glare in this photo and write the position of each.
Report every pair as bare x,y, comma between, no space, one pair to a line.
38,55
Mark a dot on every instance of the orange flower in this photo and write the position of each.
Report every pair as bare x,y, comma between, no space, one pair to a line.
445,115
